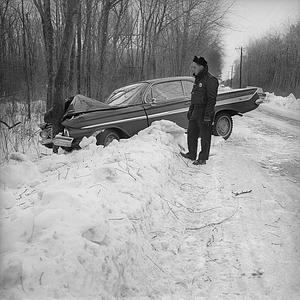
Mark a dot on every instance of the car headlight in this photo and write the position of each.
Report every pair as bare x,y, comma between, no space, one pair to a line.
44,134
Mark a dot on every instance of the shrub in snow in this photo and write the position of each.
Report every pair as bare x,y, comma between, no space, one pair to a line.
18,156
23,138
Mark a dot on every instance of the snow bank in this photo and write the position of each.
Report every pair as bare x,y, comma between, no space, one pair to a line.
287,103
78,225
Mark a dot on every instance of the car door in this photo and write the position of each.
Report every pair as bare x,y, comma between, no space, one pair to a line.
167,101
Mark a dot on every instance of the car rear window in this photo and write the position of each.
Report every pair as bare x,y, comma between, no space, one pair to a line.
128,95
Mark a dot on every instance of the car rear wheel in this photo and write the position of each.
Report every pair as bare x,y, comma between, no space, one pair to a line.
223,125
106,137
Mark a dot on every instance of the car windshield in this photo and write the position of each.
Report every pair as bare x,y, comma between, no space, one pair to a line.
128,95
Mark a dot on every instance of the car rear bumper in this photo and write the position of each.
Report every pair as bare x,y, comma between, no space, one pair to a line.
59,140
63,141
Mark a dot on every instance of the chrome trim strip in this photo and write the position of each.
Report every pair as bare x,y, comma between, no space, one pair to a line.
115,122
234,100
172,112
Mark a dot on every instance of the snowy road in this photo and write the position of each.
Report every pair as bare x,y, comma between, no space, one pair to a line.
255,253
250,250
273,139
137,221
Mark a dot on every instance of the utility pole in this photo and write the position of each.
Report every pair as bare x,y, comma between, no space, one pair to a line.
241,64
231,76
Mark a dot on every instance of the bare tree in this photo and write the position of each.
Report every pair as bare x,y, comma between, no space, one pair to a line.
116,42
71,69
72,7
87,47
45,13
107,6
25,55
78,57
272,62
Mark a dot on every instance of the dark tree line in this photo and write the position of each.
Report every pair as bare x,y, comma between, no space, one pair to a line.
51,49
273,62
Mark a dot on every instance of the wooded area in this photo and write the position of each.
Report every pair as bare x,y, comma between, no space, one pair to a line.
273,62
94,46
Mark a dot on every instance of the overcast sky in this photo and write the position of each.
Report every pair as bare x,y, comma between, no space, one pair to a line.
253,18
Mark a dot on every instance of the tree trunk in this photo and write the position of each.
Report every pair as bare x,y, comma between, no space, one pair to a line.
25,56
184,44
87,48
45,13
49,41
71,69
66,46
78,58
104,27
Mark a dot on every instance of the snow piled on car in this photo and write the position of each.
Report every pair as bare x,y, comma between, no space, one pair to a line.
77,225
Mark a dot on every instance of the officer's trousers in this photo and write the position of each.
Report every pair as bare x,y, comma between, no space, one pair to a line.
197,128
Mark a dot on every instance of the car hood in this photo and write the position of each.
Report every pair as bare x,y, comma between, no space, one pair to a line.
82,104
84,111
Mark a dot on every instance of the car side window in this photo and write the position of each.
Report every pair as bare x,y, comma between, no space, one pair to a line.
188,86
167,91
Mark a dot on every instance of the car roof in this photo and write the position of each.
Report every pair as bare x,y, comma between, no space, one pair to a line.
156,80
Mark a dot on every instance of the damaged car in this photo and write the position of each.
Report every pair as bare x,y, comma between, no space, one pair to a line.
134,107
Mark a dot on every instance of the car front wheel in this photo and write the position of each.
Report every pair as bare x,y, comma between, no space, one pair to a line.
106,137
223,125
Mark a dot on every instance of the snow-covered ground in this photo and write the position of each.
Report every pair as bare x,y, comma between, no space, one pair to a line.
135,220
289,105
290,102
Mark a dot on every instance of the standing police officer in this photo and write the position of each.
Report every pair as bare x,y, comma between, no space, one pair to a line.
201,112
